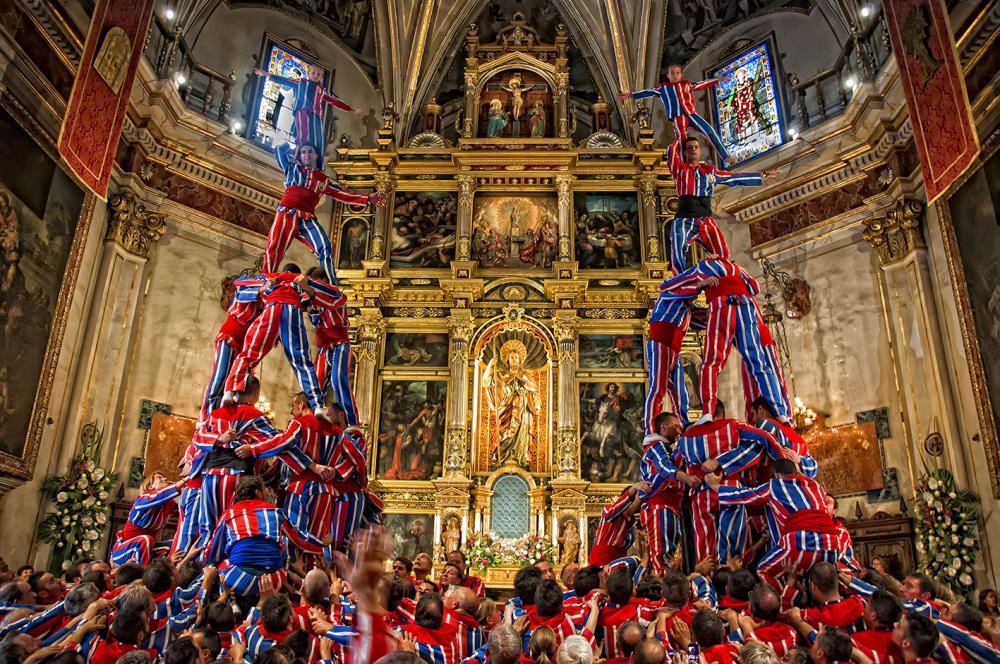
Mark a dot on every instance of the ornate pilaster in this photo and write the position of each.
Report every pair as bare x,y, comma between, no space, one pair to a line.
461,327
647,183
563,183
383,217
115,313
370,329
926,395
466,194
567,448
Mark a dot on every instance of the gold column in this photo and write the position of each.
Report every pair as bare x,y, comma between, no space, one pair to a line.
377,258
370,331
567,452
455,457
466,194
926,395
647,202
563,183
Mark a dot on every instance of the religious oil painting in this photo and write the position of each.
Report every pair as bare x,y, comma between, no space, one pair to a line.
849,458
416,349
424,226
514,231
168,438
749,116
611,351
410,534
39,210
607,230
611,430
513,406
516,104
353,244
974,210
411,429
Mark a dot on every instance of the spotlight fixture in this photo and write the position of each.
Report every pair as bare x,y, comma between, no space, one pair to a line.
851,83
180,79
793,133
169,14
866,11
237,126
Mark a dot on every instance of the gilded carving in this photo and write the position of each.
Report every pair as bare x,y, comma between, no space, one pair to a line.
461,328
466,189
562,188
383,183
421,312
378,247
564,248
370,326
647,189
455,450
653,248
567,451
565,329
464,248
132,227
113,58
898,234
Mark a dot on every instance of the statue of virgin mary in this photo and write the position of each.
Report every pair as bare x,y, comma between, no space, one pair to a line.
513,396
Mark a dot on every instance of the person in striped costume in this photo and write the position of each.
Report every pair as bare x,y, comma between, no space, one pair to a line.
150,511
695,182
734,318
616,529
285,297
797,506
243,309
311,98
226,429
250,543
350,478
333,351
677,96
187,534
668,323
305,186
724,448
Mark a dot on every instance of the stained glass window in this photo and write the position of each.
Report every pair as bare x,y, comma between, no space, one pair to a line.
272,119
749,115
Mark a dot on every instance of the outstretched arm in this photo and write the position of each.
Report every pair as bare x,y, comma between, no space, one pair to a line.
705,85
338,193
276,77
337,102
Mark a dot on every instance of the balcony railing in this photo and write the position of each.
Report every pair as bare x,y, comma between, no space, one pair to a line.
827,93
202,88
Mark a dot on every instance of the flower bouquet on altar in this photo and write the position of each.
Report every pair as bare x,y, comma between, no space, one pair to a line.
482,552
531,549
947,524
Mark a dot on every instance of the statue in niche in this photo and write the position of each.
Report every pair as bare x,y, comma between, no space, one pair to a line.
516,90
497,119
513,395
569,542
536,120
451,538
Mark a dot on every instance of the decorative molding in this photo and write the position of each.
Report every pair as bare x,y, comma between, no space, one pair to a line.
898,234
567,459
132,227
428,140
455,450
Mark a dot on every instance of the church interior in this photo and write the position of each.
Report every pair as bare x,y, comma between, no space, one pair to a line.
540,243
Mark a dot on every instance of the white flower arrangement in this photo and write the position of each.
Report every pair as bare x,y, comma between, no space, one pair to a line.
485,551
947,525
80,498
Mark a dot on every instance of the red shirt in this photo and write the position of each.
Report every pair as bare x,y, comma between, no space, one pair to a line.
840,613
878,645
781,637
475,583
724,653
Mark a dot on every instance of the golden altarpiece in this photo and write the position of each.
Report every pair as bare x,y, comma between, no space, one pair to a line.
499,305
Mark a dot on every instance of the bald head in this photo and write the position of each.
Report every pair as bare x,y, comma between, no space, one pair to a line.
649,651
316,587
629,636
465,600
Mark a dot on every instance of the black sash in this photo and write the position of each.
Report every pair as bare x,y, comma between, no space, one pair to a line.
694,206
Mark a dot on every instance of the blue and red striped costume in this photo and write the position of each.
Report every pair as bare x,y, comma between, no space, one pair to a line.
218,464
333,353
282,318
229,340
797,511
296,213
668,323
733,319
469,634
661,509
150,512
678,104
308,497
250,543
719,530
350,461
695,185
310,99
615,531
437,646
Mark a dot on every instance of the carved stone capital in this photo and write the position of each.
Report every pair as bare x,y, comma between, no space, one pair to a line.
461,328
383,183
564,328
466,189
132,227
370,326
899,233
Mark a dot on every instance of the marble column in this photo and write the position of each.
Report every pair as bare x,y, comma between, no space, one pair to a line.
926,394
370,330
567,456
461,327
466,194
106,356
565,199
647,200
